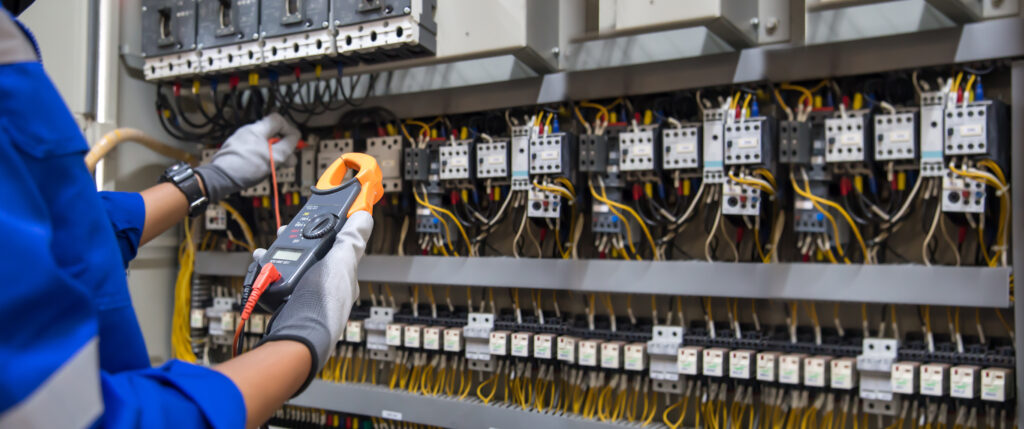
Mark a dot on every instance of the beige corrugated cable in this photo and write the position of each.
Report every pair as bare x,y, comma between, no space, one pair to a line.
110,140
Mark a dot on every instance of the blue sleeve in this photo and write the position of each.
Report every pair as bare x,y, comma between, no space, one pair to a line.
127,213
175,395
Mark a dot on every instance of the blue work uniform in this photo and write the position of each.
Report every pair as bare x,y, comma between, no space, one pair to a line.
72,353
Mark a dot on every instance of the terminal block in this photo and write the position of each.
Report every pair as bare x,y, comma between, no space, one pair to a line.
795,142
383,30
454,341
816,371
875,366
330,150
740,199
689,360
456,160
520,154
964,381
848,138
417,164
551,154
477,337
634,357
931,134
296,30
543,204
844,374
169,39
741,364
376,327
748,141
228,35
768,367
593,154
543,346
896,136
713,146
934,379
663,352
354,332
492,160
996,384
681,148
977,128
388,152
962,194
791,369
216,217
432,338
639,150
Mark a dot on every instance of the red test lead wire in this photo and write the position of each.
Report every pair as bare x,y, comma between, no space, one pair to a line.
267,275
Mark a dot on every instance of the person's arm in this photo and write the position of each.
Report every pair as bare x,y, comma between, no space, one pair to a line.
165,207
267,376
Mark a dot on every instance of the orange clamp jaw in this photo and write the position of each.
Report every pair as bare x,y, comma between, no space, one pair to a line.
368,174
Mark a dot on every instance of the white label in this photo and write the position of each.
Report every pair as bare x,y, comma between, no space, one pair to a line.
973,130
713,365
739,364
495,160
387,163
432,338
549,155
850,139
197,318
391,415
643,150
458,161
542,346
588,353
688,360
901,136
633,359
746,143
789,369
412,336
499,343
393,335
521,344
685,147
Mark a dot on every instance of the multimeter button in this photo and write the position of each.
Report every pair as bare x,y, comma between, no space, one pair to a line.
319,226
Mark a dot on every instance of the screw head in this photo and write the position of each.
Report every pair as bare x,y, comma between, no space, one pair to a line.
324,24
144,8
407,9
771,25
555,51
255,36
755,21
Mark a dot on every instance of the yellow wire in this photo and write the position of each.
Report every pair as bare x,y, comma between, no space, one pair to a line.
599,107
625,223
433,210
647,233
806,93
967,88
246,231
752,183
853,226
746,102
831,219
424,128
547,123
956,83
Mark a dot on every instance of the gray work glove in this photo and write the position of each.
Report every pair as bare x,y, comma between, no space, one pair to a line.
318,309
244,160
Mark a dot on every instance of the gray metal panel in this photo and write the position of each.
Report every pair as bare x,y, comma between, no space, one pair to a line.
242,22
1017,243
900,284
440,411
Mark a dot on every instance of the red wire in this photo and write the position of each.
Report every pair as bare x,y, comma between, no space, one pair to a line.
273,181
267,275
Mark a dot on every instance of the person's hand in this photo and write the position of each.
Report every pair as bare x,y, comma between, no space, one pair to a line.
316,313
244,160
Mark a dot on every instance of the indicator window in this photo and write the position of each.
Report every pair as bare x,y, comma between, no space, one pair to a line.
287,255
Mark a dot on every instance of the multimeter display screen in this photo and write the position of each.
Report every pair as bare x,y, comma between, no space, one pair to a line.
287,255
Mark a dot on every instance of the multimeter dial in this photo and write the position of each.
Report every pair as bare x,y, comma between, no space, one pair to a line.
319,226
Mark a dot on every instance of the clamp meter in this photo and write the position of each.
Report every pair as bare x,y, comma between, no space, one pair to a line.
271,279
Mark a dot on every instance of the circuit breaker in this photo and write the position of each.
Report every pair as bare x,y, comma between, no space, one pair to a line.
975,129
388,153
639,150
228,35
795,142
550,154
456,160
376,327
543,204
740,199
681,148
713,146
477,337
847,138
932,133
748,141
492,160
169,38
520,154
593,153
295,30
962,194
382,30
896,136
663,350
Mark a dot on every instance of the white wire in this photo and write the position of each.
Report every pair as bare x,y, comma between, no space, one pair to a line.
711,235
949,241
401,236
928,237
519,234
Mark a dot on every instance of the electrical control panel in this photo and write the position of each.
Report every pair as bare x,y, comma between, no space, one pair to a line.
388,153
681,148
713,146
639,150
550,154
975,129
896,136
169,38
456,160
520,154
748,141
848,138
492,159
932,133
962,194
740,199
294,30
593,153
228,35
795,142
